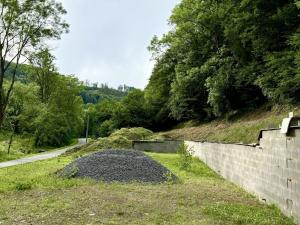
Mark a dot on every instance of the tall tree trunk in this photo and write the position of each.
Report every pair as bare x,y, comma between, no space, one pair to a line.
10,143
2,95
2,110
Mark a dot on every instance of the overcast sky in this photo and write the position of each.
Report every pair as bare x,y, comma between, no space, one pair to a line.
108,39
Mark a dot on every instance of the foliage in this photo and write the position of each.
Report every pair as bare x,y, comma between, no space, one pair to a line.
23,186
43,73
106,128
53,118
224,56
95,94
158,90
23,108
185,157
46,104
62,119
100,118
21,146
132,111
110,115
25,25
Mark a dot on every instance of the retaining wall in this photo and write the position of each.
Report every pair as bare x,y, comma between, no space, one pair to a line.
271,170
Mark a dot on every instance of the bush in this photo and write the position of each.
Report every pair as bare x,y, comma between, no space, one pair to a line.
106,128
53,131
185,157
23,186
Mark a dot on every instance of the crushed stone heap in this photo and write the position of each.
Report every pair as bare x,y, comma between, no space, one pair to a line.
118,166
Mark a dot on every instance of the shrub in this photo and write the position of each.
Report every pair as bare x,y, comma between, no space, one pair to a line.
106,128
23,186
185,157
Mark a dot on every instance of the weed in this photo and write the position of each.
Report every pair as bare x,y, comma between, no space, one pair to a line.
169,177
233,213
186,157
19,186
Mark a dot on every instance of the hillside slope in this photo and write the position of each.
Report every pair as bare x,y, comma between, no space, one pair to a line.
243,129
96,94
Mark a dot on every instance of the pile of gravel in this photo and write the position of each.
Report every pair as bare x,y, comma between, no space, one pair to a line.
118,166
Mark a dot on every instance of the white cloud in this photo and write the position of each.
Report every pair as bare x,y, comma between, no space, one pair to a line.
108,39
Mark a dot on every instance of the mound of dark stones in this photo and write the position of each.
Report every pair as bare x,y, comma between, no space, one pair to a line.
118,166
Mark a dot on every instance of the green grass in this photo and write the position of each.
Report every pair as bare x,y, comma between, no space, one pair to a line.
197,172
37,175
241,129
32,194
22,146
242,214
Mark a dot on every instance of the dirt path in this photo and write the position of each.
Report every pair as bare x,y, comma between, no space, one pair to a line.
40,157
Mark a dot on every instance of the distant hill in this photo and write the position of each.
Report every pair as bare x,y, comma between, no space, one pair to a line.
92,93
21,74
95,94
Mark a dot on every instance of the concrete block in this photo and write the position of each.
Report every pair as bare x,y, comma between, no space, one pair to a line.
290,164
298,164
270,171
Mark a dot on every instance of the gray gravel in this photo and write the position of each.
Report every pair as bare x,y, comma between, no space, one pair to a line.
118,166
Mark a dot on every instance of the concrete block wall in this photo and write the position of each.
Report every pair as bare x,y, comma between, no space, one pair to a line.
157,146
271,170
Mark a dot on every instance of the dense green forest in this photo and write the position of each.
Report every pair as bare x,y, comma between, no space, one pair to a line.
94,94
219,59
222,57
90,93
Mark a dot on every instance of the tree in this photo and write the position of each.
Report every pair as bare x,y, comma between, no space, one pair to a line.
133,111
103,113
24,26
62,119
224,57
22,111
158,90
44,72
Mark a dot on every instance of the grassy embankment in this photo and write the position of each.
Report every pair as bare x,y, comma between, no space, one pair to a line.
240,129
22,146
32,194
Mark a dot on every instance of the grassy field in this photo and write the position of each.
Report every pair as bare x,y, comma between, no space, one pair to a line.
31,194
240,129
22,146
